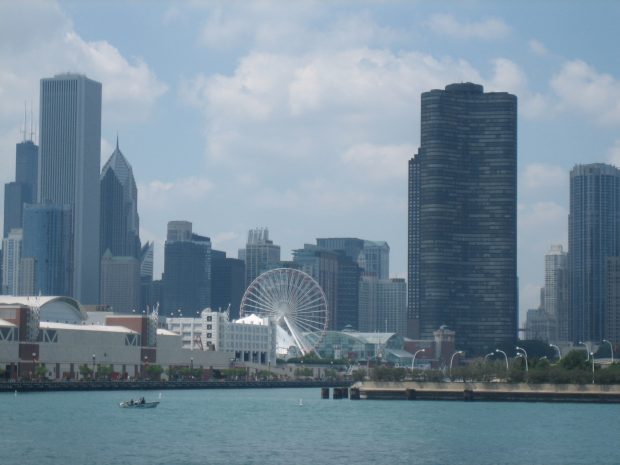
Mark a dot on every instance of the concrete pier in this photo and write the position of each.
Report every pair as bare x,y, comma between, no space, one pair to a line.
506,392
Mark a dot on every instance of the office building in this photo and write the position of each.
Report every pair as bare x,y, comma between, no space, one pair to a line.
24,188
12,250
260,254
383,305
146,276
120,223
48,245
593,236
612,300
120,283
376,256
69,162
227,283
187,271
556,292
462,218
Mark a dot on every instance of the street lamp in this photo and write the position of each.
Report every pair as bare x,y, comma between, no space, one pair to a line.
146,361
458,352
505,356
34,364
414,355
558,349
94,358
587,349
520,355
486,357
611,348
191,367
592,354
525,354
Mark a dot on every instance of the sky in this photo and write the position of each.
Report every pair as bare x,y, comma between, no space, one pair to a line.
301,116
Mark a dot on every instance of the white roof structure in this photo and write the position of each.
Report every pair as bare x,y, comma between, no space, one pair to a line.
95,328
166,332
253,320
51,308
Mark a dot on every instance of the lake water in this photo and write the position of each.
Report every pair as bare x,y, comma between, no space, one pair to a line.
268,426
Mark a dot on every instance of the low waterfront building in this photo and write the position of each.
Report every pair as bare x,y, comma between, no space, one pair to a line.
252,339
55,333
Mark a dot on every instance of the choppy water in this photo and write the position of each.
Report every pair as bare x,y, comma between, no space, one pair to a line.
268,426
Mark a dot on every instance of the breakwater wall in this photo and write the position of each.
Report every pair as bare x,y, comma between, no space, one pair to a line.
518,392
52,386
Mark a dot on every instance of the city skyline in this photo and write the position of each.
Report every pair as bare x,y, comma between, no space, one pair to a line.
301,118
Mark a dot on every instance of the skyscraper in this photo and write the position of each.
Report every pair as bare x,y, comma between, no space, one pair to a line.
227,282
260,254
556,292
187,270
24,189
593,236
12,250
146,276
48,246
376,259
120,223
69,161
462,217
383,305
120,282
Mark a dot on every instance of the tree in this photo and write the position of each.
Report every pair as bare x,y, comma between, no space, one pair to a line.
85,371
104,371
154,372
358,375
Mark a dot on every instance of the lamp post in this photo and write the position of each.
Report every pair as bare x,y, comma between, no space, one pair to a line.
505,356
592,354
558,349
414,355
611,348
146,361
191,367
486,357
458,352
520,355
525,354
34,364
94,359
587,349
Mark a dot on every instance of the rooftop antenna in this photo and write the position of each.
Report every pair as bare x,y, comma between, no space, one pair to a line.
25,124
117,141
31,123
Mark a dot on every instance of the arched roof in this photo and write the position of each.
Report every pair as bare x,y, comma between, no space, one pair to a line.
51,308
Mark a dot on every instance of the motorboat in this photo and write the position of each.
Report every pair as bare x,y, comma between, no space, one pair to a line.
141,403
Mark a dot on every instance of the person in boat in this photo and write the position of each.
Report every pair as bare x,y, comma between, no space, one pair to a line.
142,401
131,402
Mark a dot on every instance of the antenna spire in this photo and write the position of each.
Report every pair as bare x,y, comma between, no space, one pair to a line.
25,124
31,123
117,141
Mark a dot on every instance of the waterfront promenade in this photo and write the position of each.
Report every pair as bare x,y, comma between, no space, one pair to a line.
55,386
513,392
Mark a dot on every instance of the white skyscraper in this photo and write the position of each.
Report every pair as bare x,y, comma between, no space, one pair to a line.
69,162
556,292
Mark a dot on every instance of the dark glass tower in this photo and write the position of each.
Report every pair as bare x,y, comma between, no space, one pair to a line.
593,236
187,270
24,189
119,208
463,217
227,282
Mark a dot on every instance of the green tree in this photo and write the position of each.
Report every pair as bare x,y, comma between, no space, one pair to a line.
154,372
85,371
104,372
358,375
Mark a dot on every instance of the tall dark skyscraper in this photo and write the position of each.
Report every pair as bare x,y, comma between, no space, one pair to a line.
24,189
463,217
227,282
187,270
69,162
120,223
593,236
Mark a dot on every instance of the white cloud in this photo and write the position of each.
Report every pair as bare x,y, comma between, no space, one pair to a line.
579,86
492,28
545,217
538,47
160,195
379,162
544,176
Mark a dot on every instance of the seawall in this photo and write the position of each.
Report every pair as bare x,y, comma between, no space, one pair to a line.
518,392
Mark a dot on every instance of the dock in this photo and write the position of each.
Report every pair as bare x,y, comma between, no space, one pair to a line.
497,392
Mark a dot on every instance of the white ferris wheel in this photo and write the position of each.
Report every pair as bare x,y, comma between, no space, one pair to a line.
294,300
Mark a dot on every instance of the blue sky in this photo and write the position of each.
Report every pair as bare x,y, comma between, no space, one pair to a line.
300,116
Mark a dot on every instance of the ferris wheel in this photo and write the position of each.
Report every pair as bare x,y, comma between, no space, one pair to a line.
294,300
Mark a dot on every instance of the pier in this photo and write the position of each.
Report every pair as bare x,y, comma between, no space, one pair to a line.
498,392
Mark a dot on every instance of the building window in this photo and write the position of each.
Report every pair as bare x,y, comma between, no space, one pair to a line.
209,326
209,318
208,335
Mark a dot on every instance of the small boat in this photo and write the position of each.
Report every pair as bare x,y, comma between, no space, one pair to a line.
138,404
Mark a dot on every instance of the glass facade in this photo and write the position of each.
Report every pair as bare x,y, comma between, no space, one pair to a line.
462,217
593,235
